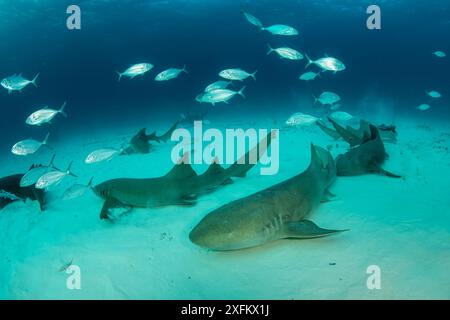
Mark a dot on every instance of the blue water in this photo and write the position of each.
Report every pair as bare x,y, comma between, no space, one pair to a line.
387,71
394,63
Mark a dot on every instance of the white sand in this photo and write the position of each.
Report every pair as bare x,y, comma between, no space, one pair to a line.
401,225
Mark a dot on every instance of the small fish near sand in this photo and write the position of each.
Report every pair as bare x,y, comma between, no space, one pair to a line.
434,94
45,115
77,190
327,64
36,171
17,82
440,54
101,155
278,212
424,107
170,74
309,76
218,85
301,119
280,30
135,70
53,178
286,53
29,146
219,95
236,74
327,98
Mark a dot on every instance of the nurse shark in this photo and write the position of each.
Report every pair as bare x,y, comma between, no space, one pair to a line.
278,212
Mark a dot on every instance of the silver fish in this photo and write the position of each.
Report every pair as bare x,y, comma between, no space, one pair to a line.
32,176
136,70
26,147
101,155
286,53
16,82
217,85
77,191
327,98
327,63
308,76
281,30
219,95
53,178
252,19
170,74
236,74
45,115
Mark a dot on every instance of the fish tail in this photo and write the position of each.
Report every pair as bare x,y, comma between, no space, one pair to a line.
270,49
61,111
241,92
45,142
309,61
184,69
69,170
253,75
120,75
315,99
34,80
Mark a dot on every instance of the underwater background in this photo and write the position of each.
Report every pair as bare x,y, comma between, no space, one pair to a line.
402,225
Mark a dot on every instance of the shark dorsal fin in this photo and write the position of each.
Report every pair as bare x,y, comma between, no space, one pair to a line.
214,169
182,170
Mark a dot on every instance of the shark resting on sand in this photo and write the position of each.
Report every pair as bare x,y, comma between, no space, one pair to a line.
355,137
279,212
365,158
140,143
181,186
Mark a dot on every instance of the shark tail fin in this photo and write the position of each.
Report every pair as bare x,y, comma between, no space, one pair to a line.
61,110
241,92
310,62
270,49
34,80
120,75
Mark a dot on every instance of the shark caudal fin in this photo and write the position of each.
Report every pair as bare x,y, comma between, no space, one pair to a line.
34,80
61,110
306,229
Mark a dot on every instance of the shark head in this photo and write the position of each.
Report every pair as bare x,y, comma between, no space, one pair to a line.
323,164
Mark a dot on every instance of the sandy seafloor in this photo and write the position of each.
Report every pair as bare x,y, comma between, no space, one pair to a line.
401,225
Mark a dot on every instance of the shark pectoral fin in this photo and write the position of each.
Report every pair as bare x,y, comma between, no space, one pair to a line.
388,174
305,229
108,207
